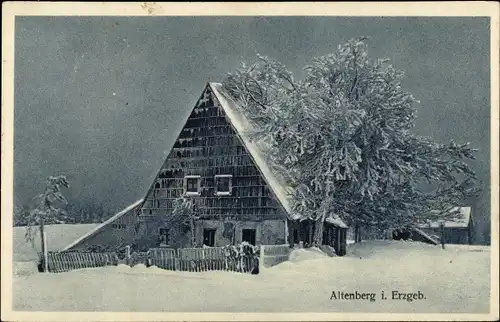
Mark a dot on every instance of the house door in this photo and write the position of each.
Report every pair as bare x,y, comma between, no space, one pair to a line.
209,237
248,235
295,236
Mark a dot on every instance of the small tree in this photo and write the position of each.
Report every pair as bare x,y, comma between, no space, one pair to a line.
21,215
184,214
47,209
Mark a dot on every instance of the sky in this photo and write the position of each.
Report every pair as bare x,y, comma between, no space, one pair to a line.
101,99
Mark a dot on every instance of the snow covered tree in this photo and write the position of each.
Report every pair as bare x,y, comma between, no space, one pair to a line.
341,137
183,215
48,209
21,215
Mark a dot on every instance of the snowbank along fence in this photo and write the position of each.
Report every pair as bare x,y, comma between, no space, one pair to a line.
272,255
66,261
244,259
202,259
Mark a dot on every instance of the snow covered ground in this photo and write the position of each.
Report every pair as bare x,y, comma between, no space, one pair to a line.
58,237
455,280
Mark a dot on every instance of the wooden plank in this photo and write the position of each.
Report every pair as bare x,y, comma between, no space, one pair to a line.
59,263
50,262
97,259
94,259
62,259
85,260
63,266
69,261
90,259
53,260
78,260
74,261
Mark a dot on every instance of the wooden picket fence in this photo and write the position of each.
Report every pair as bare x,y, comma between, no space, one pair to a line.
198,260
183,259
162,257
66,261
274,254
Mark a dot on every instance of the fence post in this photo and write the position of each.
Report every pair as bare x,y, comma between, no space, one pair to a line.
127,254
441,226
45,253
261,258
176,259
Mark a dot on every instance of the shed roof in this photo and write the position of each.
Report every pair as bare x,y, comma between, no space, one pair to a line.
104,224
461,222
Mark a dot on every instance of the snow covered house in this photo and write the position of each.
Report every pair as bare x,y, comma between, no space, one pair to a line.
237,196
457,231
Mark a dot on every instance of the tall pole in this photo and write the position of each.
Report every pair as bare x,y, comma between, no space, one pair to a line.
441,225
44,246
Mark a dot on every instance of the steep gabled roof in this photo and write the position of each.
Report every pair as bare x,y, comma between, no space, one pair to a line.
258,152
461,222
103,225
242,127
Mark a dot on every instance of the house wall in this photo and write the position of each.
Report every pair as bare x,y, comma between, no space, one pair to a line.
143,234
226,232
451,235
111,235
267,232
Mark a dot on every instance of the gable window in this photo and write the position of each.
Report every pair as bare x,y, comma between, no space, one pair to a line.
192,185
164,237
223,184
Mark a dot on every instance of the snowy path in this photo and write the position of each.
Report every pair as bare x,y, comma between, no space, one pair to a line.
453,280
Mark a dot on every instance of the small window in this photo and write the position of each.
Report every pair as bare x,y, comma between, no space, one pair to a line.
248,235
223,184
119,226
192,185
164,236
209,237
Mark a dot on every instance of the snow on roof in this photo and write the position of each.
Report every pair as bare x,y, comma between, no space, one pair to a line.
426,236
335,220
461,222
242,126
104,224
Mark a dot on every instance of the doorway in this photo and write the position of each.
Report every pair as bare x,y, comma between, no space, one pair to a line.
248,235
209,237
